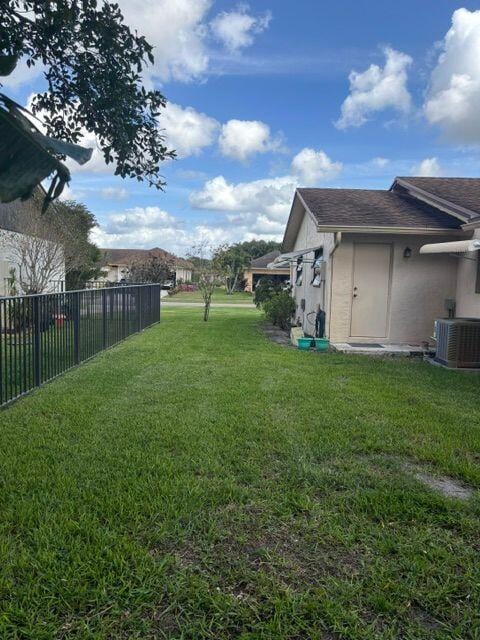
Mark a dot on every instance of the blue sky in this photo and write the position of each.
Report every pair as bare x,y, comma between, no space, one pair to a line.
267,96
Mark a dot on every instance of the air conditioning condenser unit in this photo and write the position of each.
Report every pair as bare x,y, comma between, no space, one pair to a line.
458,342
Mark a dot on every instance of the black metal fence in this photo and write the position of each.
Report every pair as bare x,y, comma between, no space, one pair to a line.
42,336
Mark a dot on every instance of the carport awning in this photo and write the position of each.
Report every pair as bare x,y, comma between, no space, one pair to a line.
284,259
462,246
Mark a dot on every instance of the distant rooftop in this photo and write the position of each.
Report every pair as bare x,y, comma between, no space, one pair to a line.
263,261
129,256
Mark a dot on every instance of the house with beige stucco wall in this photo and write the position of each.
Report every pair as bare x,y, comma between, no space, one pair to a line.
258,269
379,264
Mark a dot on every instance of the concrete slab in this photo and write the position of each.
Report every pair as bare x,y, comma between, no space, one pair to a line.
379,349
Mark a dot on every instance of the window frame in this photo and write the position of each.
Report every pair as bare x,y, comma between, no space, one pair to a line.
299,272
318,260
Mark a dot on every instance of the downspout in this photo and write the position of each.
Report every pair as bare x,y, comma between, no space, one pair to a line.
338,240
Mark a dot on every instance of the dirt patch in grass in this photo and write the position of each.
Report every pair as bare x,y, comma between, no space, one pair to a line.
447,486
277,335
441,483
244,543
424,619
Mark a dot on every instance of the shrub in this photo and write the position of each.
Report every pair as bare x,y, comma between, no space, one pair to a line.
187,287
265,289
279,309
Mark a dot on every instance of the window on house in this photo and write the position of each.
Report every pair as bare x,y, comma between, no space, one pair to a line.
317,268
299,270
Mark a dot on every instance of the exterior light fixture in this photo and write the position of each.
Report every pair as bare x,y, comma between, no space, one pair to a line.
407,253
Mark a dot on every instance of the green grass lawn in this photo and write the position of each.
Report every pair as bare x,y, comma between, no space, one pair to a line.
198,481
219,296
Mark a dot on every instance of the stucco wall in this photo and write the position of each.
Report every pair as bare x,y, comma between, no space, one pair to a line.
248,277
468,302
308,236
419,286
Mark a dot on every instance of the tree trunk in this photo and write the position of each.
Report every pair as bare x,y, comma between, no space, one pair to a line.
234,282
206,311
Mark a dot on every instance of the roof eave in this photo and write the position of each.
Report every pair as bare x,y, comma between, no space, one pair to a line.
322,228
455,210
267,269
473,224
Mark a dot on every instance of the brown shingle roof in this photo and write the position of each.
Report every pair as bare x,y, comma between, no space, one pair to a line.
373,208
129,256
464,192
263,261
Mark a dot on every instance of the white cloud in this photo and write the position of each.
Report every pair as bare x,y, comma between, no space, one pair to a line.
186,130
380,162
453,98
22,75
236,29
313,166
271,196
148,217
177,30
114,193
191,174
377,89
168,238
241,139
260,208
70,194
180,32
142,227
148,227
429,167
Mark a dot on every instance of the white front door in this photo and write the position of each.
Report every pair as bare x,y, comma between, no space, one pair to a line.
370,293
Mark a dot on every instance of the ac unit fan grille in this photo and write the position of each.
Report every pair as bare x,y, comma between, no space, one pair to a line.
458,343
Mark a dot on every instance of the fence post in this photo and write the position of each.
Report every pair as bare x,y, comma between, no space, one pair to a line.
138,304
124,314
37,343
76,328
104,317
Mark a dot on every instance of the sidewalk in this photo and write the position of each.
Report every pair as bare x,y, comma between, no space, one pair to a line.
214,305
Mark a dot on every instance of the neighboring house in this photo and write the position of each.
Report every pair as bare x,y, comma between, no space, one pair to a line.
115,263
259,269
37,250
357,255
